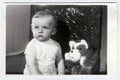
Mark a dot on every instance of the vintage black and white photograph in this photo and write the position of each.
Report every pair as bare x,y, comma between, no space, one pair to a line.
45,39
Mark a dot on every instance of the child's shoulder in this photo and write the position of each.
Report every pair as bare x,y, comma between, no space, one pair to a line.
55,43
31,42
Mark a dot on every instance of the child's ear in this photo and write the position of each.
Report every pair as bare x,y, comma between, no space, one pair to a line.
54,30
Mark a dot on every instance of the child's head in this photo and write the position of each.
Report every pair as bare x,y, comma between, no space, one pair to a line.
43,25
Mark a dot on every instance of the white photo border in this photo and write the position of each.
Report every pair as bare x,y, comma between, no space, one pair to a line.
112,48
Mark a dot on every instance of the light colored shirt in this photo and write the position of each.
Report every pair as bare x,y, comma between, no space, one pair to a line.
46,54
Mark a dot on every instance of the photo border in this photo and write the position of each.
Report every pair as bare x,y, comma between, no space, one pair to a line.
112,38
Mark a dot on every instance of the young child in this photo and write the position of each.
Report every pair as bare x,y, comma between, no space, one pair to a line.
43,53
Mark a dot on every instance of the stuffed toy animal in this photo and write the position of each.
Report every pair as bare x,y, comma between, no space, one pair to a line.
77,54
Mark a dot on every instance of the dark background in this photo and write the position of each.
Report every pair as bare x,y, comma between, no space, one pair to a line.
75,23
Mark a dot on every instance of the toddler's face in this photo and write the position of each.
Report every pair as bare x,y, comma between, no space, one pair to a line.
43,28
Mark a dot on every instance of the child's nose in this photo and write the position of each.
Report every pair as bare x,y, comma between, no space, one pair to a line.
40,30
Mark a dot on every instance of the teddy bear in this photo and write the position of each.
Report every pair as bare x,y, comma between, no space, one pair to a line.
77,56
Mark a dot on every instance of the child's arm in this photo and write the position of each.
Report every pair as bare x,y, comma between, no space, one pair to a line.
31,64
61,67
60,62
30,56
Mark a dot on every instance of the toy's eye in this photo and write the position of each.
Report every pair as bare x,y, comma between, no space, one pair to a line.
71,51
79,48
72,47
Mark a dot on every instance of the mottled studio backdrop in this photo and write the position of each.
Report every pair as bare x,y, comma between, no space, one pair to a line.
75,23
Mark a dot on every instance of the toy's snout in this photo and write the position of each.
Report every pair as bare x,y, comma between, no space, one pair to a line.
75,55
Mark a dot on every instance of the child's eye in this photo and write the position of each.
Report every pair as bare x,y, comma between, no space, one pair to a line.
45,27
36,27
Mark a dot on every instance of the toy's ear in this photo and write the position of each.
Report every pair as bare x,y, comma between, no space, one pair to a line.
77,44
81,47
83,42
71,44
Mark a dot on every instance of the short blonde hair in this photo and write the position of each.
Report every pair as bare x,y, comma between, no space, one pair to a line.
44,13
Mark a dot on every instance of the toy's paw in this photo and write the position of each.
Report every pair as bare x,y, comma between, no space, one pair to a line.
83,60
68,64
67,56
76,69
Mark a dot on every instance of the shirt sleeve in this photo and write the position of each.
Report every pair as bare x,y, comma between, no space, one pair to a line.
30,50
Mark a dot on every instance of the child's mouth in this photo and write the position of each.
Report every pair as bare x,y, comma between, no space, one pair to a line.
40,35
